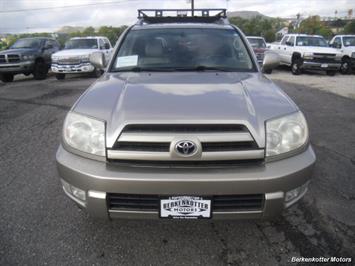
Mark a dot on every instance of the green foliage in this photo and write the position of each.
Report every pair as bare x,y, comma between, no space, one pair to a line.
112,33
313,25
259,26
350,28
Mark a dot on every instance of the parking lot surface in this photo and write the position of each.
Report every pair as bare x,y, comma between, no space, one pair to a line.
39,225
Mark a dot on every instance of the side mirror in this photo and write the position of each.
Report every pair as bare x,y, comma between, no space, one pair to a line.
271,61
107,46
289,43
98,60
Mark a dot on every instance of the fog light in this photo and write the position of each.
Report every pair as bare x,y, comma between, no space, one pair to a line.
76,192
295,193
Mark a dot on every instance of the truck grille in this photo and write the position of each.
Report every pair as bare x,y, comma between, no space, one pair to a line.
69,61
154,145
2,59
324,58
225,203
10,58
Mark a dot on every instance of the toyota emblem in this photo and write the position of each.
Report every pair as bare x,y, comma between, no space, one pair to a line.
185,148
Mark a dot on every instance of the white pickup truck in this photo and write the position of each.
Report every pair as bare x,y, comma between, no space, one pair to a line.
345,44
302,51
74,58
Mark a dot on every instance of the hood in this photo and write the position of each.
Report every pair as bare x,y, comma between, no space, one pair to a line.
74,52
20,51
184,97
316,49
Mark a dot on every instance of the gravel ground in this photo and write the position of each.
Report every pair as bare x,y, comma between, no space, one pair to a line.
343,85
39,225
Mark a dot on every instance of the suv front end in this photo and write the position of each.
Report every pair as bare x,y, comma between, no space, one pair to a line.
188,141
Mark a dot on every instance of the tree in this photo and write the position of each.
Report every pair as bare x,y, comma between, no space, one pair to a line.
89,31
350,28
313,25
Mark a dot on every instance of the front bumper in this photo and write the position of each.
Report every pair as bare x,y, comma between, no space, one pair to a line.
17,68
321,66
273,179
72,69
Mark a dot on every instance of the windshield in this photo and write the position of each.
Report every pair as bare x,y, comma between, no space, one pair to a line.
349,41
27,43
311,41
175,49
257,42
81,44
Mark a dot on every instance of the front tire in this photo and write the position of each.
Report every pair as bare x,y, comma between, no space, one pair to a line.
331,72
345,67
296,66
7,77
60,76
96,73
40,70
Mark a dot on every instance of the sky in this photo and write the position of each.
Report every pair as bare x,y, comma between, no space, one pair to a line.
44,15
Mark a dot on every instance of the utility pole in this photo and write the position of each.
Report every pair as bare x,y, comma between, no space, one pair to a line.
192,7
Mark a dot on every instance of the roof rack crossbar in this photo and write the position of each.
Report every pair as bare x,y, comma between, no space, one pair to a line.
181,15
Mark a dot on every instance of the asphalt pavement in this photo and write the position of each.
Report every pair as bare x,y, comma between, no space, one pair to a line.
39,225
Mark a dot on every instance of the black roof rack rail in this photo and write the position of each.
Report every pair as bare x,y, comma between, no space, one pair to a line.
182,15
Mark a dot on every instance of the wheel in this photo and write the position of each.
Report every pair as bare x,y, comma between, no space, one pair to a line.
96,73
345,67
331,72
27,74
40,70
60,76
296,66
7,77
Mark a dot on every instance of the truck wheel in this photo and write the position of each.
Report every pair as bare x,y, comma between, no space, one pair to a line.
7,77
331,72
40,70
296,66
60,76
345,67
96,73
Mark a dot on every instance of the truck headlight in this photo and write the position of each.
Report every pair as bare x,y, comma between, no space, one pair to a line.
286,134
308,56
84,133
27,57
353,55
55,58
84,58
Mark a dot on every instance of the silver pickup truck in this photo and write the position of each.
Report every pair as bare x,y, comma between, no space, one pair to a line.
184,125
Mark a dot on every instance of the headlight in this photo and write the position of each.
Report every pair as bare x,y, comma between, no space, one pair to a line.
286,134
55,58
84,58
27,57
308,56
353,55
84,134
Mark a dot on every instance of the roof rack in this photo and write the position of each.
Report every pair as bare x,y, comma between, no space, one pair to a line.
182,15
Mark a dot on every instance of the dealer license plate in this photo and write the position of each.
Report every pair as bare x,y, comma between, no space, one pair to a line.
324,65
185,207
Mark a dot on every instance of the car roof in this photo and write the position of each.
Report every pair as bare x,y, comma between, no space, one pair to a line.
303,35
88,37
254,37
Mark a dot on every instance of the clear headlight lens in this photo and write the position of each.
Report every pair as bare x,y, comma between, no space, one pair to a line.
353,55
85,58
55,58
27,57
308,56
84,134
286,134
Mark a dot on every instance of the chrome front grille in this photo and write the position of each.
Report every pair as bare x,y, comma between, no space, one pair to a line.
218,145
69,61
10,58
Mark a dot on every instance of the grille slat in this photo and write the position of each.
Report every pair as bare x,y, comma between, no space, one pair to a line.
185,128
151,202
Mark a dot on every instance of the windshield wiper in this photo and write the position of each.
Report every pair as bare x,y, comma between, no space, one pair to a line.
140,69
205,68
